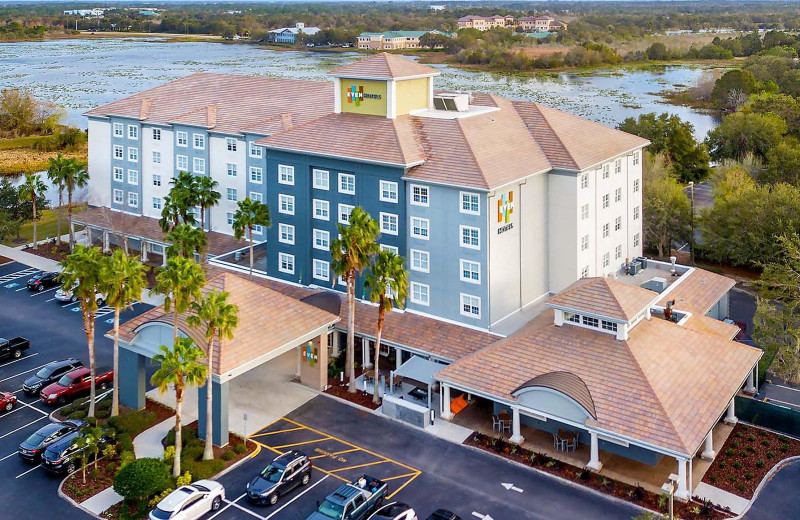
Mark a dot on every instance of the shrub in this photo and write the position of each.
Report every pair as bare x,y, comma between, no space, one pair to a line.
133,422
125,442
539,459
751,449
125,458
638,492
80,414
751,437
745,427
783,438
763,433
192,452
741,487
184,479
204,468
142,478
740,434
735,444
748,475
765,442
729,452
784,448
169,453
743,454
712,478
770,454
102,414
732,478
158,498
187,435
240,448
723,464
230,455
736,464
760,463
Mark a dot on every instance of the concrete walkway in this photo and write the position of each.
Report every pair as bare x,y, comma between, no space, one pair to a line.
101,501
721,497
148,443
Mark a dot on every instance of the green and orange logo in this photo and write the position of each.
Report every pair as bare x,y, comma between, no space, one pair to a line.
355,96
505,207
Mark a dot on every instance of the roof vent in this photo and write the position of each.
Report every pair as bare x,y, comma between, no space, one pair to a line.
451,102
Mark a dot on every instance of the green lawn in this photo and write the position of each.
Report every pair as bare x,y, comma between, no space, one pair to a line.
20,142
47,226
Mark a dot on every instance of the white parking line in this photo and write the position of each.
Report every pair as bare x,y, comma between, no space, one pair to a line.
21,373
295,498
20,359
8,456
787,387
43,292
227,506
30,405
51,299
24,288
26,472
17,274
21,427
237,506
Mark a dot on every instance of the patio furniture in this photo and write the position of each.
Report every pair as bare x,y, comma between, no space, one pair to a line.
505,420
570,439
369,376
397,383
496,424
558,442
418,393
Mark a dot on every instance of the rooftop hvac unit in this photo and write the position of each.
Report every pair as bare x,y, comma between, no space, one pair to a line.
451,102
634,268
656,284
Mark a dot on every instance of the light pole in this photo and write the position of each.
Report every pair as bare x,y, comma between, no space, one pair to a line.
669,488
691,241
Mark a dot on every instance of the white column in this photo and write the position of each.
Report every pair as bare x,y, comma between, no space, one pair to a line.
89,236
516,436
163,256
106,246
365,353
144,251
708,450
299,359
682,492
446,413
398,354
594,455
751,387
730,417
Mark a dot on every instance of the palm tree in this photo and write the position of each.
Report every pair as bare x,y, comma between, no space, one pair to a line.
31,190
207,197
82,273
56,173
387,284
179,204
122,279
220,319
350,255
75,176
186,240
251,213
180,283
180,367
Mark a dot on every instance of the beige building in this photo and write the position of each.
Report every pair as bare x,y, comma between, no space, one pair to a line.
390,40
484,23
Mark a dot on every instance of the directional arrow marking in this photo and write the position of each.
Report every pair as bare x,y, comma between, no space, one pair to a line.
511,487
483,517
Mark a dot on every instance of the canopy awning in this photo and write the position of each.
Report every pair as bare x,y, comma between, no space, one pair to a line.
419,369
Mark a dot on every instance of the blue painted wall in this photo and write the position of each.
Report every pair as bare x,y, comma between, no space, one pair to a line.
126,165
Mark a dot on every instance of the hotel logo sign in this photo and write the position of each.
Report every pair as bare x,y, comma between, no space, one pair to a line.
505,207
355,95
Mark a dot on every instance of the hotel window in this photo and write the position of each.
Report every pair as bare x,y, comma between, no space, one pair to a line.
199,142
322,209
618,195
156,157
118,152
321,179
347,183
419,195
470,237
635,158
636,240
470,306
322,239
286,234
618,252
636,185
286,174
156,134
618,166
156,203
606,259
606,170
198,165
232,194
388,191
585,180
182,163
118,196
341,281
420,261
419,227
609,326
388,223
133,154
322,270
286,204
182,139
617,223
118,176
606,228
258,229
133,132
585,212
156,180
286,263
606,198
589,321
256,196
133,200
470,271
636,213
585,271
231,169
470,203
118,129
230,219
420,293
344,213
230,143
133,177
256,174
584,242
256,151
391,249
572,317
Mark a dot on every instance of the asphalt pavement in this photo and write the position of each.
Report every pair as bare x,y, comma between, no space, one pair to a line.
778,498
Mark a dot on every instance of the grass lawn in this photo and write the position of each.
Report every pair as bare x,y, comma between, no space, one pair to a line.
17,155
19,142
47,226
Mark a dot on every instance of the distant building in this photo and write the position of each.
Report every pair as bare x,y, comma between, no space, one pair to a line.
289,34
97,12
148,12
541,24
438,7
484,23
391,40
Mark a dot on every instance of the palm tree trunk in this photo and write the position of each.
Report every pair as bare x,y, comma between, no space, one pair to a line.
208,452
89,326
35,241
69,217
351,325
175,322
251,249
58,213
176,464
115,397
381,313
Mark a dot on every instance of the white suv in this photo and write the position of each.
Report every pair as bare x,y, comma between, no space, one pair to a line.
63,294
190,502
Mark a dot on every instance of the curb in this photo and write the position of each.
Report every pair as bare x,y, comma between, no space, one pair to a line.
777,467
375,412
72,502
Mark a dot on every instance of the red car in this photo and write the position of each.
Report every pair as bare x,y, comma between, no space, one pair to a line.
75,384
7,401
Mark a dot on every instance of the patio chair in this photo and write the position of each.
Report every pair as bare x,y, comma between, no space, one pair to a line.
558,442
570,443
497,424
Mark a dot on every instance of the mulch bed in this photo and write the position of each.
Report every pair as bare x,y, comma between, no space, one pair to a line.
360,397
51,251
162,412
4,260
746,457
635,494
78,491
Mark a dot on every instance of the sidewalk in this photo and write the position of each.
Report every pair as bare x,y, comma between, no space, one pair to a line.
721,497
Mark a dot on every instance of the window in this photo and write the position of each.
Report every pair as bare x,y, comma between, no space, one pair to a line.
118,196
585,271
589,321
420,293
321,179
286,233
618,252
256,174
347,183
118,174
470,237
606,228
256,196
636,185
419,195
199,141
198,165
618,166
419,227
286,263
344,213
606,259
585,212
606,170
231,169
230,143
636,240
182,139
286,174
584,242
156,157
606,198
133,154
585,180
232,194
156,134
182,163
133,200
230,219
118,153
156,180
420,261
322,209
610,326
286,204
156,203
388,192
572,317
636,213
322,270
389,223
617,223
470,271
256,151
322,239
133,177
118,129
470,306
470,203
133,132
391,249
635,158
618,195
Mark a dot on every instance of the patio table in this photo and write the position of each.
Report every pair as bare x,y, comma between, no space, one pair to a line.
369,375
505,420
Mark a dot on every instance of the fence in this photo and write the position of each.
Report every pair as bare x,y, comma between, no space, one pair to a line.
769,415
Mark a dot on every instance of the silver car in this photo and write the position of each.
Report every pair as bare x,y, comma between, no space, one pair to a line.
190,502
64,294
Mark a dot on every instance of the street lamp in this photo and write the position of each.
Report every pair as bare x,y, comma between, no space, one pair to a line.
669,488
691,241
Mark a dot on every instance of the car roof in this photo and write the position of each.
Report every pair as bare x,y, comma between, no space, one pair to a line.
49,428
62,362
63,443
289,456
177,498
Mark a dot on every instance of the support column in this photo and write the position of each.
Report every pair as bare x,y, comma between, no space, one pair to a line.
163,256
682,492
516,436
219,413
594,454
132,379
446,413
144,250
365,357
751,387
708,450
89,235
299,360
730,417
106,246
398,354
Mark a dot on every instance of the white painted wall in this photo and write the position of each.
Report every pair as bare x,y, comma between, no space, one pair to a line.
99,163
218,158
565,228
149,168
635,199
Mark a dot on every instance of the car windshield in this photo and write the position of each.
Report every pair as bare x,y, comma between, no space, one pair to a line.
35,439
65,380
330,509
272,473
45,372
160,514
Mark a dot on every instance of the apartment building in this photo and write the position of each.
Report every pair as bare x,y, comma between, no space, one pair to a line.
390,40
484,23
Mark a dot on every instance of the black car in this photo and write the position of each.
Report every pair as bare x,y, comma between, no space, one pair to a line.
60,457
394,511
50,373
43,280
443,514
285,473
33,447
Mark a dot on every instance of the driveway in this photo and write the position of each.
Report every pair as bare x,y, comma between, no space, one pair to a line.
778,498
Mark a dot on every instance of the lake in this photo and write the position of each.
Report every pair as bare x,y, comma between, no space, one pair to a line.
80,74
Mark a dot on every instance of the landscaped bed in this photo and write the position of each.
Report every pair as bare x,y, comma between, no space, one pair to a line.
97,479
746,457
192,452
360,397
635,494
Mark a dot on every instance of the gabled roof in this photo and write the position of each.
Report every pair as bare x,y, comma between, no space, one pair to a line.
698,291
383,66
604,297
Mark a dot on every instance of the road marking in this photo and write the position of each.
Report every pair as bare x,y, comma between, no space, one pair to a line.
373,463
786,387
26,472
279,431
237,506
30,405
226,507
334,454
21,373
783,404
43,292
11,285
21,289
511,487
256,451
21,427
20,359
8,456
300,443
51,299
18,274
415,474
281,453
70,303
483,517
407,482
295,498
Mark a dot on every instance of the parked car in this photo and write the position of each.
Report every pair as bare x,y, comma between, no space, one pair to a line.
62,455
76,383
7,401
443,514
13,347
48,374
32,448
394,511
354,501
43,280
190,502
283,474
65,294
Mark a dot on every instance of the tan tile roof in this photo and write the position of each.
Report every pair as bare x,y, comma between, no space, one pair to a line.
604,297
383,66
666,385
698,291
572,142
